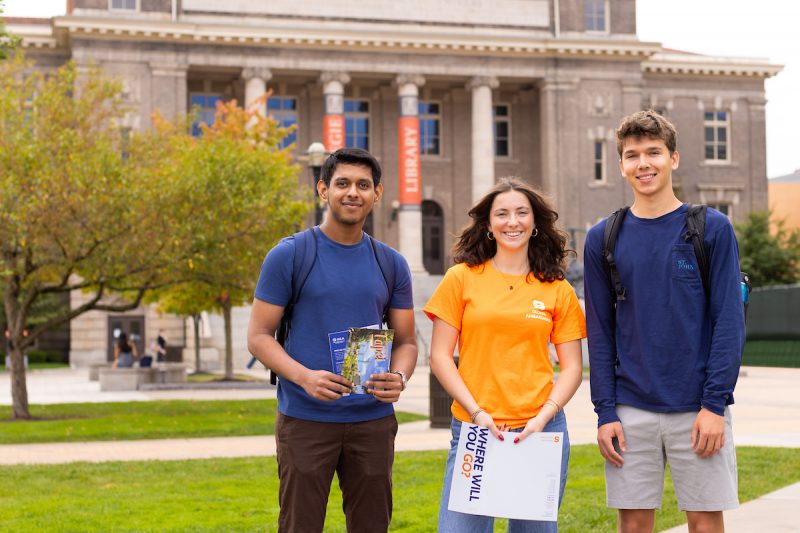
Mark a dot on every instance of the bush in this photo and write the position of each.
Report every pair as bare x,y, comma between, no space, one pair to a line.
45,356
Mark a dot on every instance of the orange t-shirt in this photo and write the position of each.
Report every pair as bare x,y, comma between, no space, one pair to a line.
502,345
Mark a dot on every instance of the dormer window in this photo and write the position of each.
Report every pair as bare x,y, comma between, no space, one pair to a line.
595,14
124,5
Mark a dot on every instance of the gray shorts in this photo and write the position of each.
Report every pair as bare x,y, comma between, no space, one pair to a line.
656,439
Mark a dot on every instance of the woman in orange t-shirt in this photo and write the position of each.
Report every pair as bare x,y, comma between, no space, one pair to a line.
502,302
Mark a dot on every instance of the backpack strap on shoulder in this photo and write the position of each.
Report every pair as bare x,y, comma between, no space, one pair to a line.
305,255
386,264
695,232
610,233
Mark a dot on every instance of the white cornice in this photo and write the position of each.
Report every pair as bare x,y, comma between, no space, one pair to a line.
34,35
671,63
500,43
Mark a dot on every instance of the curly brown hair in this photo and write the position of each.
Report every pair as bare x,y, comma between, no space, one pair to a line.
547,251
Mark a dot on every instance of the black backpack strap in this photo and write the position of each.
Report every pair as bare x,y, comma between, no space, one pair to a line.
610,233
695,232
386,264
305,255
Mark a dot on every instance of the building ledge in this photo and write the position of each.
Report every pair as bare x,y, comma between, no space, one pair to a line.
671,62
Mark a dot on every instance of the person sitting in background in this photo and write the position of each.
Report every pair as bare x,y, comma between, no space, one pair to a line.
124,352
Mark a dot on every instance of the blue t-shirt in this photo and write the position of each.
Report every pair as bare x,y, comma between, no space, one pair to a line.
344,289
666,348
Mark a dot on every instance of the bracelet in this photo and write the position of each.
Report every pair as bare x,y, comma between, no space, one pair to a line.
475,413
554,403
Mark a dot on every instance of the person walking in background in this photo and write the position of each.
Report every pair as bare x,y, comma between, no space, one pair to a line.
664,353
320,429
124,352
161,347
502,302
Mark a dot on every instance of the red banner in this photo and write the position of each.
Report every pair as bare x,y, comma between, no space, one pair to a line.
333,132
408,148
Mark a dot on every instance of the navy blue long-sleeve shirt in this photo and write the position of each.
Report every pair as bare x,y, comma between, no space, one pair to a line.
666,347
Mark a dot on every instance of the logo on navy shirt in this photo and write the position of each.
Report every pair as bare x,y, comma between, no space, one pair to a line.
683,264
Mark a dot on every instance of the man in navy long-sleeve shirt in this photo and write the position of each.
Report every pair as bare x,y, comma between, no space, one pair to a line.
664,360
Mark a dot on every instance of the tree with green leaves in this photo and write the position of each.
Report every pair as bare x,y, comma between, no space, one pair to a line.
769,256
8,42
244,199
75,213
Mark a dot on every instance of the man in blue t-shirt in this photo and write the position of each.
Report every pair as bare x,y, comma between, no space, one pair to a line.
320,428
664,360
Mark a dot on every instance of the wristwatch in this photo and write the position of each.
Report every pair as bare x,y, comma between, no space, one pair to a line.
403,379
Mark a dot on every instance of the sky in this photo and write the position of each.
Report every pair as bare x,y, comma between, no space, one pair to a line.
765,29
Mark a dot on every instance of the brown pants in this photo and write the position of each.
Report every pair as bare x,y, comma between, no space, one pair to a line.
361,453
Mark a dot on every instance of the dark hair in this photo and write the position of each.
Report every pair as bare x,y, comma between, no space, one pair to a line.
350,156
547,251
647,124
122,342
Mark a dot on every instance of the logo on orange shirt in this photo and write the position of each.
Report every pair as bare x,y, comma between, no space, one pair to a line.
539,312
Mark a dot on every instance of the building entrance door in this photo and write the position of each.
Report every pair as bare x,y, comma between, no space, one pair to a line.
132,325
432,237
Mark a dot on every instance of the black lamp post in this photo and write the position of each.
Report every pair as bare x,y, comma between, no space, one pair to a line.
316,157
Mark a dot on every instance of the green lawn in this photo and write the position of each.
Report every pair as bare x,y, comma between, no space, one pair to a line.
37,366
145,420
230,495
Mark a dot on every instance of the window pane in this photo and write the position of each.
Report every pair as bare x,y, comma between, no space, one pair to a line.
352,105
722,152
709,134
501,147
598,150
501,110
432,146
709,151
598,171
428,108
722,134
501,129
722,115
709,115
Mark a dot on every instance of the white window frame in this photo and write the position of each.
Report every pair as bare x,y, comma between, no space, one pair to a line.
728,208
137,6
716,123
360,114
431,116
606,21
599,173
497,119
277,114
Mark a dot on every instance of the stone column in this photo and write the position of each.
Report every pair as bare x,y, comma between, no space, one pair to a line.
169,91
482,135
255,80
333,121
410,214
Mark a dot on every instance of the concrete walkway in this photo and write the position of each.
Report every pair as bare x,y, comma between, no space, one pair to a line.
766,414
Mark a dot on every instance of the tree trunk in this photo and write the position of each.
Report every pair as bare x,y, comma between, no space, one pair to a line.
226,313
19,388
196,322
